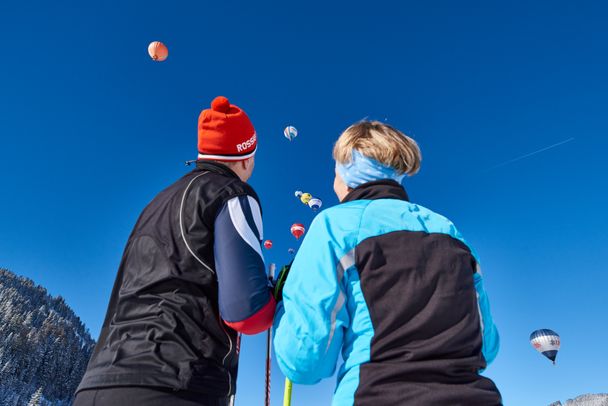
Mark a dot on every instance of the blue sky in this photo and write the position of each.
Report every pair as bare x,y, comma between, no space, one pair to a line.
91,129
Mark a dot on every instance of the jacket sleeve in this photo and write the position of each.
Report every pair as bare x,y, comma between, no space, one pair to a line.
245,300
491,340
311,318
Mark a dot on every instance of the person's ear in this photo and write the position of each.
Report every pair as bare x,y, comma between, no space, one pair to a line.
247,163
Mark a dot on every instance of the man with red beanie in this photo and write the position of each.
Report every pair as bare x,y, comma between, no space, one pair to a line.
191,279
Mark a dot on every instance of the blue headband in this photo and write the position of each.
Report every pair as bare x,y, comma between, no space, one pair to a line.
362,169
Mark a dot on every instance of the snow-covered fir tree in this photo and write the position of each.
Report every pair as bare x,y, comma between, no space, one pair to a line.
36,398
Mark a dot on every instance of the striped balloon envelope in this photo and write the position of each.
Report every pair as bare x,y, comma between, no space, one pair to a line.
547,342
290,133
315,204
297,230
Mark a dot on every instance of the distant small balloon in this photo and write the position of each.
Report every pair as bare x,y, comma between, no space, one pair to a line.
290,132
158,51
305,198
298,193
547,342
315,204
297,230
268,244
291,251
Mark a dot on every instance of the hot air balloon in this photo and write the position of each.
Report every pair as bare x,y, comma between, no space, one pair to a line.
297,230
290,133
305,198
291,251
268,244
315,204
158,51
546,342
298,193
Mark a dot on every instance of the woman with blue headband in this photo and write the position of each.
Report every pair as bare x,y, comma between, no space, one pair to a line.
391,285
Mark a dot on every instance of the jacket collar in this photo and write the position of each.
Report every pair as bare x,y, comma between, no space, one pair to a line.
216,167
378,189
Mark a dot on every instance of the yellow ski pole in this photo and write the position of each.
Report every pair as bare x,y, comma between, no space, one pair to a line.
277,290
287,394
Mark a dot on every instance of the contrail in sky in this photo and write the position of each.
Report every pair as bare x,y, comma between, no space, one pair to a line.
510,161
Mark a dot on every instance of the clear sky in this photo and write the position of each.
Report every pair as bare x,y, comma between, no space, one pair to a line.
91,129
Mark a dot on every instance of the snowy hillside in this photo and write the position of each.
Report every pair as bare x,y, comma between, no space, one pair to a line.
585,400
44,347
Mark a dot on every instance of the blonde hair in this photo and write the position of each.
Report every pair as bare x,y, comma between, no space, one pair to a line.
380,142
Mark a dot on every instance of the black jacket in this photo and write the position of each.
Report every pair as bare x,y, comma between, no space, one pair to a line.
162,327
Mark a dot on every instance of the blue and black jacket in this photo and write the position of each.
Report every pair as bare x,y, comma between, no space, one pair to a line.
191,279
395,288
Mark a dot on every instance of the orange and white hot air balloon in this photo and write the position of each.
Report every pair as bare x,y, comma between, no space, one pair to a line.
297,230
158,51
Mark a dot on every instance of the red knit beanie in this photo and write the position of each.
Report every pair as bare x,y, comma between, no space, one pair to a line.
225,133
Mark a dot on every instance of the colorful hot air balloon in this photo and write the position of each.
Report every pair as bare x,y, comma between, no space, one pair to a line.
305,198
268,244
290,133
315,204
158,51
546,342
298,230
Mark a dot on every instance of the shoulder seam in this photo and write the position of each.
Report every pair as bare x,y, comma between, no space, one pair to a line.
359,225
181,224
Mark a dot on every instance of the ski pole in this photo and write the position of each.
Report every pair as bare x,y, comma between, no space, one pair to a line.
287,394
268,364
271,271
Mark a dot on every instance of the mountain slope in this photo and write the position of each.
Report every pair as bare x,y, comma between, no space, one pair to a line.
585,400
44,346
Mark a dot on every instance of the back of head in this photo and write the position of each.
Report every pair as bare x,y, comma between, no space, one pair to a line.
380,142
226,135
